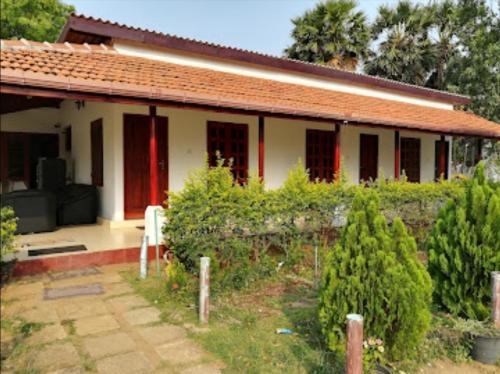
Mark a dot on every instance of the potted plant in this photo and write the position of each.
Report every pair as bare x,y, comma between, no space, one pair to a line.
485,339
486,344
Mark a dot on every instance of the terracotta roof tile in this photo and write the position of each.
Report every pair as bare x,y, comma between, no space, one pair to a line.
95,69
151,37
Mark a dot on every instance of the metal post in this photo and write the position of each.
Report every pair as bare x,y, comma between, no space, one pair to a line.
354,359
204,289
495,297
144,258
156,243
316,265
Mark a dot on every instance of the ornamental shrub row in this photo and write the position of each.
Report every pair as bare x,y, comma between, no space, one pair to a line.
237,226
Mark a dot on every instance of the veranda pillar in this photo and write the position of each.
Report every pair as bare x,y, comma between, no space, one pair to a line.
153,219
336,156
153,158
397,155
261,147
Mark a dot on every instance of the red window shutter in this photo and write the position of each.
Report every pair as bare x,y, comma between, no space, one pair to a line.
320,154
410,158
230,140
97,149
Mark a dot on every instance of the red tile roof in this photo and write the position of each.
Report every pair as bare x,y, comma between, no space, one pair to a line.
100,69
80,28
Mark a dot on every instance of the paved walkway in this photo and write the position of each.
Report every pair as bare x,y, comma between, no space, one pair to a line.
115,331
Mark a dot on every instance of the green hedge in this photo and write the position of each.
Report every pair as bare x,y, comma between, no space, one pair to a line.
237,226
8,229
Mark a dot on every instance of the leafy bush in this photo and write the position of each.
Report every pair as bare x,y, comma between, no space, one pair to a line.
305,212
417,204
8,228
464,248
373,270
240,226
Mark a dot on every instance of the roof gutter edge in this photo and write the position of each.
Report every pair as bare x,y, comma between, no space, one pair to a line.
14,77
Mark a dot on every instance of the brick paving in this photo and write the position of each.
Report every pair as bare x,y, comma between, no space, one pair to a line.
113,332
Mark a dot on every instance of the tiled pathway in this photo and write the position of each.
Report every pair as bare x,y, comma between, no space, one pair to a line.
114,332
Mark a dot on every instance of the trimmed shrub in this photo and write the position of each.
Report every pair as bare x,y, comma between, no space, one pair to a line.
373,270
8,229
417,204
464,248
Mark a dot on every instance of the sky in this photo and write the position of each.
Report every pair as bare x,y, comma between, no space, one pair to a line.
258,25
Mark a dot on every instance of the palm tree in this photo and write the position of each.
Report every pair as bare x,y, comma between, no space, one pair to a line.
444,15
333,33
404,50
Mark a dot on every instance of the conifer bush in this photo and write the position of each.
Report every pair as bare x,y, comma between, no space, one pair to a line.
373,270
464,248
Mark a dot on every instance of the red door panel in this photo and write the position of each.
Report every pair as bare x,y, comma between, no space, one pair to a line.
136,162
368,157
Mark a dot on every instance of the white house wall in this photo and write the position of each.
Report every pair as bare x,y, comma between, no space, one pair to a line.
285,144
80,162
175,57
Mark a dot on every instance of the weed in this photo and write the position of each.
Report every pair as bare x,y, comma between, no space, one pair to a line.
69,324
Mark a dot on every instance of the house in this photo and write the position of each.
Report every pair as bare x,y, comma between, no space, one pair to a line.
134,111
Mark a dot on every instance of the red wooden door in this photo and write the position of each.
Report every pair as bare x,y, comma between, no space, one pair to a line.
368,157
136,162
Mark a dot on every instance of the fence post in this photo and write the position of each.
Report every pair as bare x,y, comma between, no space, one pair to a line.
354,359
204,289
495,297
157,246
143,259
316,266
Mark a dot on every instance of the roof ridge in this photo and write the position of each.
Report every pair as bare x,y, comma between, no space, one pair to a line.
283,58
24,44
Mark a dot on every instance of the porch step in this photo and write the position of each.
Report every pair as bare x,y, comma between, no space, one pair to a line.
66,262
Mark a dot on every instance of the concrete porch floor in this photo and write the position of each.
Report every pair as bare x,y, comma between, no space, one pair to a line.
96,237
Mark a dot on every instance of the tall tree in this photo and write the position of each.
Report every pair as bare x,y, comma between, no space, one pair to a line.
39,20
333,33
444,27
404,50
475,69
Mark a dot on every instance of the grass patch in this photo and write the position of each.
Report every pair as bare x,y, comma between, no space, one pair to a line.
69,325
243,324
177,307
16,354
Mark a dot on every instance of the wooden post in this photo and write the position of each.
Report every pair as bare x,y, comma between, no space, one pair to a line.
153,158
336,159
261,147
354,359
442,158
204,289
495,297
397,155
